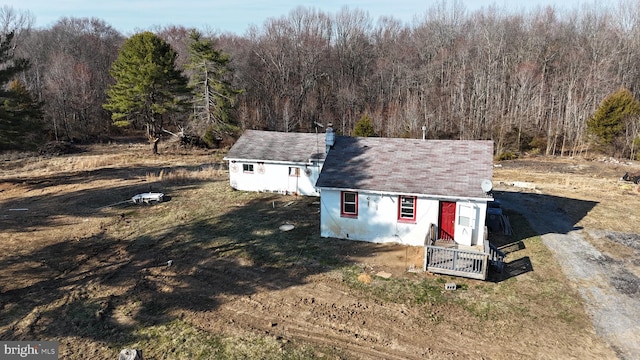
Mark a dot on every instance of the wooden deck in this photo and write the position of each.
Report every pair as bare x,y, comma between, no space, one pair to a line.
445,256
457,262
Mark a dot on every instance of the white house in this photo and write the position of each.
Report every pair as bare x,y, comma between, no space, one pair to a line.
287,163
395,190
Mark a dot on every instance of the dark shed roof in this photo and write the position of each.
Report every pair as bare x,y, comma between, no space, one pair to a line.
259,145
409,166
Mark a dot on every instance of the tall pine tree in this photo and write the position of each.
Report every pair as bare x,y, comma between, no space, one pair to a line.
20,115
608,123
148,88
214,98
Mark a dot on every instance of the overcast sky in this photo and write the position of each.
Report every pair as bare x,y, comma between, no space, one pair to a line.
237,15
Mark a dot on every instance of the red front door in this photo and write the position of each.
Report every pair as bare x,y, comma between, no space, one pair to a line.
447,219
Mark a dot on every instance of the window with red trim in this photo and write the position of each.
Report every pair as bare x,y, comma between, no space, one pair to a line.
407,208
349,203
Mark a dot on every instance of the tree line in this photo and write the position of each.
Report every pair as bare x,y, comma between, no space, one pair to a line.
531,81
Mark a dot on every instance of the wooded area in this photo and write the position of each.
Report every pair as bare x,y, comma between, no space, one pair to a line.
529,81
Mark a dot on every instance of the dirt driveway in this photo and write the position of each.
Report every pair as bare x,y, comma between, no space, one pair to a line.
609,286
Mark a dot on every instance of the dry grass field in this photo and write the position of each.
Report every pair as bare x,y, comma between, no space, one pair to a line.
83,267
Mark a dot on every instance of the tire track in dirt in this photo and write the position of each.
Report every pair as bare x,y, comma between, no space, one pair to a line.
614,313
323,315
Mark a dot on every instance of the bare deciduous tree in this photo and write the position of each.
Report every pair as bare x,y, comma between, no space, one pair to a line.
527,80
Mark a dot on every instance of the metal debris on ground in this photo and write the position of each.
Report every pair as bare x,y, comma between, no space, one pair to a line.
148,198
634,177
143,198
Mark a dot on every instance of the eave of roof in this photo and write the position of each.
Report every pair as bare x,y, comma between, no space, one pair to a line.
485,197
439,168
257,145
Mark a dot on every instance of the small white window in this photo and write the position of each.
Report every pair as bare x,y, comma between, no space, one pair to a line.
349,204
407,208
467,216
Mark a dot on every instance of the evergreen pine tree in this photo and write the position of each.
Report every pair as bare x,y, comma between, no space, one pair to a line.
20,116
364,127
608,122
21,121
148,88
214,97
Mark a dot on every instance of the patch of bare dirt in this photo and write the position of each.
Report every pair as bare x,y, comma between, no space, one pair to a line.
57,148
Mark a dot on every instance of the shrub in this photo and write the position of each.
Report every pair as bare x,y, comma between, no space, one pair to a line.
507,155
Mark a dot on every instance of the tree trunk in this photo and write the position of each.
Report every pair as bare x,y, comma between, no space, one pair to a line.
154,144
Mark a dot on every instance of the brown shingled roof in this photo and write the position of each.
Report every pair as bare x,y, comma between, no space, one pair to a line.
409,166
259,145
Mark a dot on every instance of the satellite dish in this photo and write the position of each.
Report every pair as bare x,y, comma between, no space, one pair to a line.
486,185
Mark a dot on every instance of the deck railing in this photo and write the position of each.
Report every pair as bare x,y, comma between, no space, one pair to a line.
496,256
456,262
442,256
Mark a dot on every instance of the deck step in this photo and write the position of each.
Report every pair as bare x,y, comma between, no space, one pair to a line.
496,258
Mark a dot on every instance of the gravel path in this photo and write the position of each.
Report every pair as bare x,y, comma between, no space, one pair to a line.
611,292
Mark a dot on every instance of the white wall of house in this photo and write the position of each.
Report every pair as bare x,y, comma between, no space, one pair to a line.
274,177
377,219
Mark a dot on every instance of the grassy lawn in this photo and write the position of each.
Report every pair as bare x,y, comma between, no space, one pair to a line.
532,290
110,286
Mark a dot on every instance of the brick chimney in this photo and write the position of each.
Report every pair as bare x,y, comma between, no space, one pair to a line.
330,137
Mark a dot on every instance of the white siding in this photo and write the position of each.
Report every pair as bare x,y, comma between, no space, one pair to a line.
274,177
378,222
